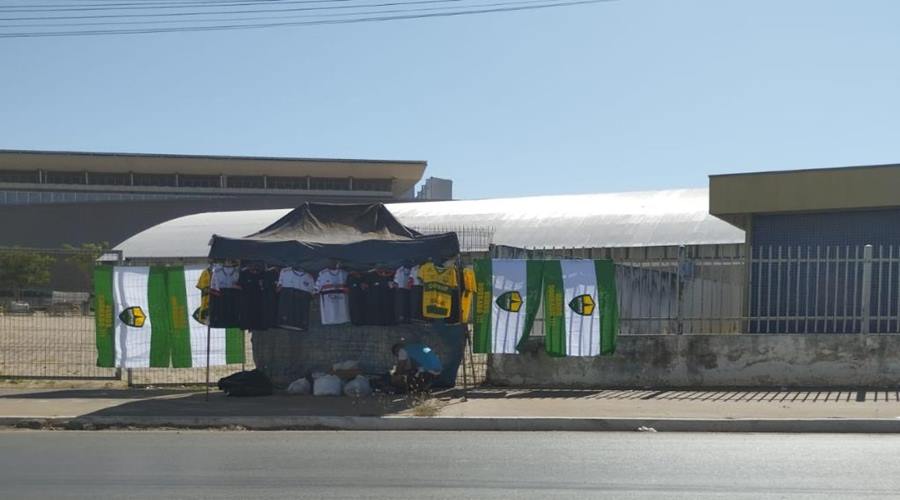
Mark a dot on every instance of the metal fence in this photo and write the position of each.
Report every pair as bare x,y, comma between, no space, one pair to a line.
824,289
47,323
665,290
713,289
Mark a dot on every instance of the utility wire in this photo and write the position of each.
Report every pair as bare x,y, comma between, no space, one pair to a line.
160,6
224,27
265,18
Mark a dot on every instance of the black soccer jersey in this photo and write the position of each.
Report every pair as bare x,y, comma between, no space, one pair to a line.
251,283
357,284
379,298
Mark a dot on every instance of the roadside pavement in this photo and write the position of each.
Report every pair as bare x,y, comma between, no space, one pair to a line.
478,409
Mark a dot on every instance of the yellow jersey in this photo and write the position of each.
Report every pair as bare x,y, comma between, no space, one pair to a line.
439,285
468,295
202,312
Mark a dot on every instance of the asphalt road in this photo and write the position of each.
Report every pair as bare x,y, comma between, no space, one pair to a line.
321,464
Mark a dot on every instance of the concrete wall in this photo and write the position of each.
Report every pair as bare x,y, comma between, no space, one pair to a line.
683,361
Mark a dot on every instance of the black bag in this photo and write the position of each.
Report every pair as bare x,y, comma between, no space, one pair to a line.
245,384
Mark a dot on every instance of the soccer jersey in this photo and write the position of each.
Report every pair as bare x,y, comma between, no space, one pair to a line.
296,279
225,297
415,294
202,314
251,298
356,290
270,297
295,289
379,298
440,285
402,291
331,286
468,294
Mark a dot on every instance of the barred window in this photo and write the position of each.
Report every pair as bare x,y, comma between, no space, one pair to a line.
109,178
19,176
154,179
287,182
247,181
65,178
200,181
329,184
372,184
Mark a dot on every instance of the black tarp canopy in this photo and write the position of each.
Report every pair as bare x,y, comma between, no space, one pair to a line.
318,235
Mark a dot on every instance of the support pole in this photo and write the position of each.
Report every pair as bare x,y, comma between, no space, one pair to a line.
208,334
208,343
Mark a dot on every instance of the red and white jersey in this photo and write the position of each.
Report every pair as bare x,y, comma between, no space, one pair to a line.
296,279
331,285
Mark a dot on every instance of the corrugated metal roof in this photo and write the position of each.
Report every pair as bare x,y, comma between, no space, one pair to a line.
634,219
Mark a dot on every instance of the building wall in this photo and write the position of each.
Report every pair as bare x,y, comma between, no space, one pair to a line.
809,266
52,225
706,361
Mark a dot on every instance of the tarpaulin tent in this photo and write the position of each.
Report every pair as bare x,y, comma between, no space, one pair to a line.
358,236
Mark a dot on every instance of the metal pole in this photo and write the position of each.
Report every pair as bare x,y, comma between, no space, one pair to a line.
866,288
208,335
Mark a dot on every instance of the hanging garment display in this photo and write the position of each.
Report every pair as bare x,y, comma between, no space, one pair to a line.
250,283
225,297
149,317
403,283
203,283
226,345
379,298
580,307
416,291
356,297
440,285
331,285
270,297
509,296
295,289
468,294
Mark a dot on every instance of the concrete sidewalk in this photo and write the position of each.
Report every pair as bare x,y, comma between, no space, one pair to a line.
482,409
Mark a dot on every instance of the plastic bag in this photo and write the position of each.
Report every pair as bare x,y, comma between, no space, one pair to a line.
327,385
358,387
299,386
345,365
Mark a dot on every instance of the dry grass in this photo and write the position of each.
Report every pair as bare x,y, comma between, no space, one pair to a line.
426,406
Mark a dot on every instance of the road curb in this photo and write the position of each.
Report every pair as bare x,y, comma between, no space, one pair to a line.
262,423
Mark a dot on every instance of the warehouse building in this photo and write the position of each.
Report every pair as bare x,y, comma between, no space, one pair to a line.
50,198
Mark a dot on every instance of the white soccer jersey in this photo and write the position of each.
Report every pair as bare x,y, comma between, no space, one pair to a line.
415,280
297,279
402,277
331,285
224,277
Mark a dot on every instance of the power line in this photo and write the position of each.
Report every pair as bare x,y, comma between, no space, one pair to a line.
264,18
226,12
368,19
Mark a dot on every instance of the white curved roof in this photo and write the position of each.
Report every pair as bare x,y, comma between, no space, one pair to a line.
633,219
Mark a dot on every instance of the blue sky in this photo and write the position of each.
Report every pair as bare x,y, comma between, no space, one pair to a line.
625,95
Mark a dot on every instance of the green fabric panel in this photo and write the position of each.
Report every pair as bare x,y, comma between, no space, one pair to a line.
234,346
105,316
179,316
609,322
534,277
484,296
554,309
157,297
